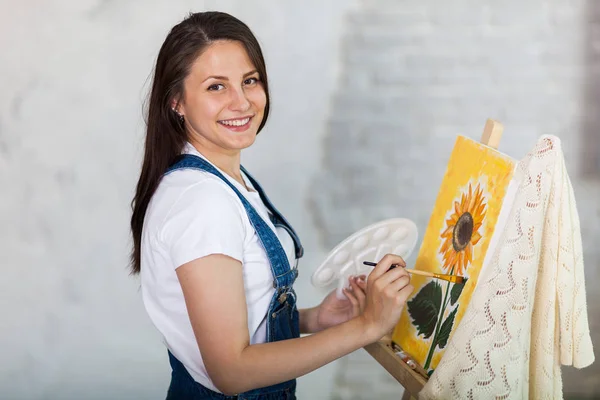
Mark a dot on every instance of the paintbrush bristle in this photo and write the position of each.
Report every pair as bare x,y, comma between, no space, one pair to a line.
456,279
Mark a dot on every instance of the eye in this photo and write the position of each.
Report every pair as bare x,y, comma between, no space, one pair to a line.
216,86
251,81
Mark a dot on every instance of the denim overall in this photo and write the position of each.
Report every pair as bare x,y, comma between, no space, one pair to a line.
282,317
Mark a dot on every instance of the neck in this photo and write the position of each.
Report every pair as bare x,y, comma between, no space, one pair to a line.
228,162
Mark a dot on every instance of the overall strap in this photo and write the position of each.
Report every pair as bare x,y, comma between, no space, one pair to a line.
283,275
278,216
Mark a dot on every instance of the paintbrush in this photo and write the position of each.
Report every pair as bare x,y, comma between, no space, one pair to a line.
450,278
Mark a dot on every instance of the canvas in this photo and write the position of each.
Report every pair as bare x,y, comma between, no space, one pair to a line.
455,242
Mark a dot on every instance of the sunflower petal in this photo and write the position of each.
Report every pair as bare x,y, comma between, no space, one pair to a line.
451,261
472,201
464,263
469,253
475,238
449,257
481,209
445,246
449,229
445,266
459,269
466,201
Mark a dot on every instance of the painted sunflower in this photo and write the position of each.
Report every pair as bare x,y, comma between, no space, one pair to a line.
462,231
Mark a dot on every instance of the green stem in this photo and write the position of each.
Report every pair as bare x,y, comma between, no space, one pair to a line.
438,325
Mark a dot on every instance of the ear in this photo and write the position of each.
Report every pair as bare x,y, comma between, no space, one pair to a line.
176,106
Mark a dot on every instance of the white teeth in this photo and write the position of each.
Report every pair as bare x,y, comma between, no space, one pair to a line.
236,122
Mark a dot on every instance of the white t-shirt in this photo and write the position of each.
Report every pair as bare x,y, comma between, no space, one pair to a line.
193,214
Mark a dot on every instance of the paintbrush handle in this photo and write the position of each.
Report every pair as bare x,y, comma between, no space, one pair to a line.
423,273
449,278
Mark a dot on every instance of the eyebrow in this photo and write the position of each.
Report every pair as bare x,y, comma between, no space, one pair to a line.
224,78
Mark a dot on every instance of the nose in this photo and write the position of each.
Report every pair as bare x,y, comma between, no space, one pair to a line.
239,101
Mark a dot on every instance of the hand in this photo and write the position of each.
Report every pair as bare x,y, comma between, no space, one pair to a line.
333,311
387,292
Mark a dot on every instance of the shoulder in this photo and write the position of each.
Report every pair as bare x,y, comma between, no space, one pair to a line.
190,193
184,179
196,190
202,216
190,183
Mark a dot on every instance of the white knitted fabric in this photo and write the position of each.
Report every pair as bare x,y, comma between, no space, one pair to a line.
528,313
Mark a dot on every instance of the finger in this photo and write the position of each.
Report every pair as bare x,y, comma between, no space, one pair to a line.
391,276
347,285
400,283
353,300
347,289
357,290
362,300
362,283
386,262
405,293
362,280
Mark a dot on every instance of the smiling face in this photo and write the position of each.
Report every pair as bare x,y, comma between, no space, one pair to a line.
223,101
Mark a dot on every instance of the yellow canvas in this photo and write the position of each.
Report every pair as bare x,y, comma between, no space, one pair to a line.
455,242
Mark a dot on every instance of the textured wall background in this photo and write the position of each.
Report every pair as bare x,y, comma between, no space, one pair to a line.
368,97
73,78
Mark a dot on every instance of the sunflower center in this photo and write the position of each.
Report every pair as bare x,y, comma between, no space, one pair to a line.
463,231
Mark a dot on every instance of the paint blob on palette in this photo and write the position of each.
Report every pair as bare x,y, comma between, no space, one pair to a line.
397,236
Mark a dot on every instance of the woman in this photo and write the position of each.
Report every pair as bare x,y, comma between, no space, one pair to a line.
217,260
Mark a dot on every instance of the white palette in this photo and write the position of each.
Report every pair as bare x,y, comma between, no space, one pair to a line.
397,236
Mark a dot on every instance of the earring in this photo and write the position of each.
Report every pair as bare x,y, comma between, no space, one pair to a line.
179,116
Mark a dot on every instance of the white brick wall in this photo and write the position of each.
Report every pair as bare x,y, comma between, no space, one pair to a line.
415,75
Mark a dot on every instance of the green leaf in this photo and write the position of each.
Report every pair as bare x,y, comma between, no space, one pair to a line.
424,308
445,330
457,289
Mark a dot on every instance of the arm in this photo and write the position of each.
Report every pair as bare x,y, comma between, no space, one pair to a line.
308,320
214,293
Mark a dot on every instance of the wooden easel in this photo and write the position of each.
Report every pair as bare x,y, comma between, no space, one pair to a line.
383,351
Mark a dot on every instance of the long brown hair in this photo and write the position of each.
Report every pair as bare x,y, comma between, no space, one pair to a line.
165,132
